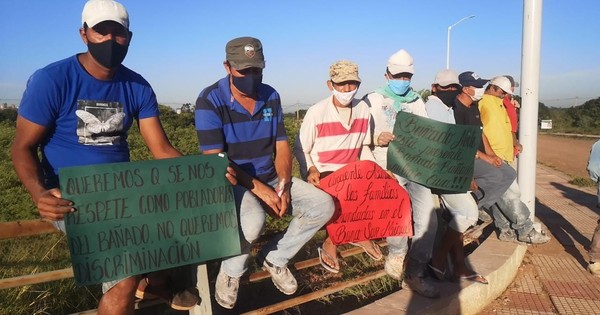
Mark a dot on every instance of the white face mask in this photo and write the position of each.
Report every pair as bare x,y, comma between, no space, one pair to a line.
344,98
478,94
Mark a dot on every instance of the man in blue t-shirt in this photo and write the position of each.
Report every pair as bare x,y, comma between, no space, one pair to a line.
243,117
78,111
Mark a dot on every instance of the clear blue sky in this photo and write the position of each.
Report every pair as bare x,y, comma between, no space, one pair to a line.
178,46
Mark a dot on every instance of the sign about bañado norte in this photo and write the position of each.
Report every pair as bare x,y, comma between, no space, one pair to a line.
139,217
432,153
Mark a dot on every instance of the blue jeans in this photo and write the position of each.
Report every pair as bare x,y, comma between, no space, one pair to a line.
424,228
311,208
464,210
510,212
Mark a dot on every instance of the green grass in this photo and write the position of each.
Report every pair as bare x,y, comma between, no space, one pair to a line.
582,182
36,254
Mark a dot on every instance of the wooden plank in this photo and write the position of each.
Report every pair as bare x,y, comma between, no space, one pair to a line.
36,278
205,308
317,294
22,228
311,262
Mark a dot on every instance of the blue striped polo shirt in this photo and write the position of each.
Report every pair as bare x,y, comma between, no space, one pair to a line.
247,138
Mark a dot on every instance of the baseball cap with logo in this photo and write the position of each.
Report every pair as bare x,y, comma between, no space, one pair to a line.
245,52
400,62
503,83
446,77
343,71
470,78
96,11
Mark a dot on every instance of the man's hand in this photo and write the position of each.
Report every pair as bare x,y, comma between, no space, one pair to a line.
313,177
492,159
473,186
283,191
385,138
231,176
519,148
276,200
52,207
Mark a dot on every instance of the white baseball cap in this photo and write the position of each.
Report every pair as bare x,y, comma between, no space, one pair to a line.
400,62
446,77
96,11
503,83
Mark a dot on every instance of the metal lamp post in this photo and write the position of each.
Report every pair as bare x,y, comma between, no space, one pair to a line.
448,43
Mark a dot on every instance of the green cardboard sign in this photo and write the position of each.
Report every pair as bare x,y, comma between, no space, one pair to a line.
432,153
139,217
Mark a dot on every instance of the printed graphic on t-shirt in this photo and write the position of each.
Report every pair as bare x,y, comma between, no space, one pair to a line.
99,123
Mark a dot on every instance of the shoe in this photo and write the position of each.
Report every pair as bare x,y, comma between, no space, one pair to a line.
394,266
185,300
422,286
373,251
534,237
182,301
335,268
484,216
226,290
594,268
508,236
282,278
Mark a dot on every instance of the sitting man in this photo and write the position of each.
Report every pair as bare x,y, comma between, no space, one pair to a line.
334,133
461,206
385,103
242,116
510,213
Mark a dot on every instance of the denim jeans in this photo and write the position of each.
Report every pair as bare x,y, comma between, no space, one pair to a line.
493,181
594,251
311,208
510,212
464,210
424,228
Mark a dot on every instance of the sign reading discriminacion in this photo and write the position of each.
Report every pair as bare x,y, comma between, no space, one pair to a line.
139,217
370,204
432,153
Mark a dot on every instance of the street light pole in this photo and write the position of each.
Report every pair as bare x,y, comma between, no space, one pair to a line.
448,42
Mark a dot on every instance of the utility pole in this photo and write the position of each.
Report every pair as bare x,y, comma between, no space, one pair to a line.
298,110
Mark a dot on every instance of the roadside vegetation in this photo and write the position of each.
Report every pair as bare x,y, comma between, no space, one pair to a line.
48,252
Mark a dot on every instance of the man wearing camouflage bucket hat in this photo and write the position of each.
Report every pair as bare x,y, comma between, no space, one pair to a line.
326,150
242,116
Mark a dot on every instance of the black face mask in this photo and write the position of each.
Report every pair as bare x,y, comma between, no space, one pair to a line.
109,53
248,84
447,97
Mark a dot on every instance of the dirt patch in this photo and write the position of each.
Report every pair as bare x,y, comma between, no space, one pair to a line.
566,154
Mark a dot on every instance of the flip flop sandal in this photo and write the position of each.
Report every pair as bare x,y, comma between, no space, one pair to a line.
143,294
475,278
377,256
325,265
437,273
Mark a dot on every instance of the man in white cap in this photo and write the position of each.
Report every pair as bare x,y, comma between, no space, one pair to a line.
385,103
58,107
510,213
461,206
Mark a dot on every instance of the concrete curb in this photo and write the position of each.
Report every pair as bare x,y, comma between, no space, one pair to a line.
497,261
